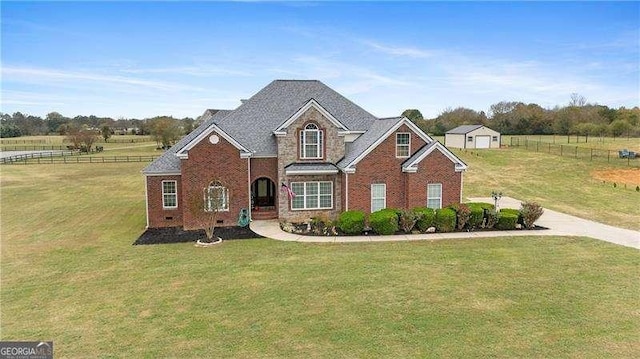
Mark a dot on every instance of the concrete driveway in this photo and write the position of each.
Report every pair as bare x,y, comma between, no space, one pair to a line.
559,224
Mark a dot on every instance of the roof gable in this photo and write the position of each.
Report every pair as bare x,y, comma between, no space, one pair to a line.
379,131
168,162
281,129
183,152
411,164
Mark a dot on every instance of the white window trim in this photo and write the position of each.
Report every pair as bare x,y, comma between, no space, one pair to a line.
226,198
304,195
384,198
175,194
408,144
303,142
439,198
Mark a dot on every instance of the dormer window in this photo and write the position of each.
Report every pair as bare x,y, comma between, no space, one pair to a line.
311,142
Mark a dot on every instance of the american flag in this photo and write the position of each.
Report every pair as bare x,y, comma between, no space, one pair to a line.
286,188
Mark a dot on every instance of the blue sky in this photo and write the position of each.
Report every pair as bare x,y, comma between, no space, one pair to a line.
136,60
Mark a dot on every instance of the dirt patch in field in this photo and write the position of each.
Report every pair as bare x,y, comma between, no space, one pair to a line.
629,176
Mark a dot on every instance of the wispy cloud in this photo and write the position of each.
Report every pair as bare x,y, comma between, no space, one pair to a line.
45,75
412,52
190,70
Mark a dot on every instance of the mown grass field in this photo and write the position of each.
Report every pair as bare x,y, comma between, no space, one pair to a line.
564,184
602,143
69,274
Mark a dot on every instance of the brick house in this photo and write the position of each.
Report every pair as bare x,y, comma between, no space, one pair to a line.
295,150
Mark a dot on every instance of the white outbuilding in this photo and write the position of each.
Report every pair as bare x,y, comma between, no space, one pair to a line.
472,136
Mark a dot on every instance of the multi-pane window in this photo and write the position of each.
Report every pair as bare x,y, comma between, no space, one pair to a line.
469,138
312,195
434,195
403,144
169,194
216,196
378,196
311,142
494,138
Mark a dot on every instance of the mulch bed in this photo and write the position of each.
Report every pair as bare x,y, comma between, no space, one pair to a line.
179,235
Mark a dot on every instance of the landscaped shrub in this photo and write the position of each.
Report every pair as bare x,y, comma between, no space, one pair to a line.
476,215
397,212
427,218
508,219
531,212
445,220
489,217
462,215
384,222
408,219
322,225
351,222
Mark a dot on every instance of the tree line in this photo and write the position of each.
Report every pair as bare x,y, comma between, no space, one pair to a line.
518,118
54,123
81,129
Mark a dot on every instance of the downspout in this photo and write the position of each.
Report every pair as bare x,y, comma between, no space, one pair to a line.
146,198
249,185
346,191
461,182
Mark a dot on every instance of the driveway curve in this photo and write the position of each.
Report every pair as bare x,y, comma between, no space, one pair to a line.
559,224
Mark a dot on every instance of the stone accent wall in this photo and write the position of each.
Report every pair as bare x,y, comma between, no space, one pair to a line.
158,216
288,152
209,162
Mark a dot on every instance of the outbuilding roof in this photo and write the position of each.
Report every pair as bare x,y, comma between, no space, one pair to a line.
464,129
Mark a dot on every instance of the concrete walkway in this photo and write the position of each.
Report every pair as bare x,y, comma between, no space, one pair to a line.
559,224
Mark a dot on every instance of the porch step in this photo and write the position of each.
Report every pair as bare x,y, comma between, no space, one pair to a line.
258,215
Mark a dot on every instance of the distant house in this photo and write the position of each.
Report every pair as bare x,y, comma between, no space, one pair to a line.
297,150
472,136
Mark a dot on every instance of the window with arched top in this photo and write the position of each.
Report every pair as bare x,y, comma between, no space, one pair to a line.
311,142
216,197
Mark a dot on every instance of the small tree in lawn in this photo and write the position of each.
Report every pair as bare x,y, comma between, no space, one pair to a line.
205,208
106,132
88,138
74,136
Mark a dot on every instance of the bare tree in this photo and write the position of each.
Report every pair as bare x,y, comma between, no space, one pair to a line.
577,100
206,207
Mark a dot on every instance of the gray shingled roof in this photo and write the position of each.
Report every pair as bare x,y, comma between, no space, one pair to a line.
464,129
317,166
253,122
357,147
168,162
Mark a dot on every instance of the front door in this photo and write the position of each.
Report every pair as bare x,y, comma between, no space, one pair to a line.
263,191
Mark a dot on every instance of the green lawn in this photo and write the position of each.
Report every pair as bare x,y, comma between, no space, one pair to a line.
560,183
70,274
602,143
